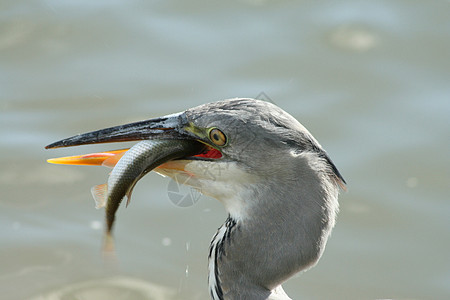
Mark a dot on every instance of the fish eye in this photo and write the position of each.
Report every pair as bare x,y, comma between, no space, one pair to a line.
217,137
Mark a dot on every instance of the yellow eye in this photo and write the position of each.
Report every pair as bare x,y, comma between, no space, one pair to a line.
217,137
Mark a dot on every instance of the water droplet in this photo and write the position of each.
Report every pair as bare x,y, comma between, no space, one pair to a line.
96,225
412,182
166,242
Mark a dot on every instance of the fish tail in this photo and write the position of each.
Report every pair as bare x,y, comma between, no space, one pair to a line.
108,248
108,243
99,193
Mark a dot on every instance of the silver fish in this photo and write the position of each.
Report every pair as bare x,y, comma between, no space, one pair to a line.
134,164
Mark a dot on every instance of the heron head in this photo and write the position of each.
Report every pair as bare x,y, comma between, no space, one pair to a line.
246,142
257,135
259,145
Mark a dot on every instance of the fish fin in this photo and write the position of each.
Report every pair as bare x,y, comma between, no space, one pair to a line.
111,161
128,198
99,193
130,190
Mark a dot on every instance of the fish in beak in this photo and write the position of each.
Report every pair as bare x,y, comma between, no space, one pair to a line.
163,141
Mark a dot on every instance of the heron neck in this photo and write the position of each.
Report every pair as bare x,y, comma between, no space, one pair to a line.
283,234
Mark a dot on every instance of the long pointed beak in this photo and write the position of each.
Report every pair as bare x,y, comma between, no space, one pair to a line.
107,159
167,127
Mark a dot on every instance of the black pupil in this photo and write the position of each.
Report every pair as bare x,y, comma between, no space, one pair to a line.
216,136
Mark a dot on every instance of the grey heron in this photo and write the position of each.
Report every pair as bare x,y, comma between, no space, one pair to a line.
279,188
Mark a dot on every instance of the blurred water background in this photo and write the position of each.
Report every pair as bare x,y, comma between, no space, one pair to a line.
370,79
